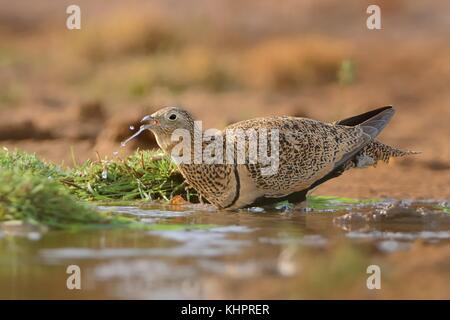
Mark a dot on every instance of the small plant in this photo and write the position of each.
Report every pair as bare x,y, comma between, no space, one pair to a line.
36,199
143,175
22,161
347,72
40,193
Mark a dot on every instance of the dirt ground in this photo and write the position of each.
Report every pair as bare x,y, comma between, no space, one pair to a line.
70,95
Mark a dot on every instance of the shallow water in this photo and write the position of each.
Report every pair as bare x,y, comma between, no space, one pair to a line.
320,250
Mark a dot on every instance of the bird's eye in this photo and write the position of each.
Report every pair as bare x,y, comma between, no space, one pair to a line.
173,116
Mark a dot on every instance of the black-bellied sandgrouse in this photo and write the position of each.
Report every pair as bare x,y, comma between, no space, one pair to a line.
298,154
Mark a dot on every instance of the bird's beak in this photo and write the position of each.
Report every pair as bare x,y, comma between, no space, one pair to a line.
151,121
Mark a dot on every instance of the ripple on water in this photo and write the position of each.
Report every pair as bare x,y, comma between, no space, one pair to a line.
163,263
408,236
146,279
148,213
392,246
192,243
402,214
314,240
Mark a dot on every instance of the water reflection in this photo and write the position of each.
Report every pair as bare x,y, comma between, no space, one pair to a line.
256,253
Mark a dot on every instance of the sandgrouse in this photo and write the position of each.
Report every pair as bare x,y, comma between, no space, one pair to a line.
310,152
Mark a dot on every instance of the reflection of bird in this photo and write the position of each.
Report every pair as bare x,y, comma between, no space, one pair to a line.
310,153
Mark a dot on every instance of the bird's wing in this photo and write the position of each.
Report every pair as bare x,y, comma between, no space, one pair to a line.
307,151
371,124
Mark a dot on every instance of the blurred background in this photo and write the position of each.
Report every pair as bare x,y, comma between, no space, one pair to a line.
69,94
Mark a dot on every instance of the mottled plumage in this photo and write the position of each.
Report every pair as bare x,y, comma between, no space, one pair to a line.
310,153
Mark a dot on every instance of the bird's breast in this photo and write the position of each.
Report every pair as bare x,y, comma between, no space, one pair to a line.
218,183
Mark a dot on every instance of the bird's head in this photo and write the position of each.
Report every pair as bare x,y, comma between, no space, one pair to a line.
165,121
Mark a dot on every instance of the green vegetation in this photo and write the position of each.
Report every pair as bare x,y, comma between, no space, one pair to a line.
347,72
40,193
444,208
139,176
326,203
37,199
335,203
22,161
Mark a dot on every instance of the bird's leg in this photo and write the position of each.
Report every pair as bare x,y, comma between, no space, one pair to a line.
302,206
284,205
183,184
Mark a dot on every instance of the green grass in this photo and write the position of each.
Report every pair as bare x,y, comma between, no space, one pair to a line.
141,176
22,161
137,177
40,193
37,199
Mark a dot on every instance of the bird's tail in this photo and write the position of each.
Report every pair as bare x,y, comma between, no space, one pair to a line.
378,151
372,123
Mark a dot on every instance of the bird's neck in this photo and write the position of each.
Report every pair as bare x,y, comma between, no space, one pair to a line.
179,143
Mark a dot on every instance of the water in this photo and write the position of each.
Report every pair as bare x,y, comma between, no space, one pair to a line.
136,134
195,252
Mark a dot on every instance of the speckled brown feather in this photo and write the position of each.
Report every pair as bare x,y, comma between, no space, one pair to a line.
310,152
215,182
374,152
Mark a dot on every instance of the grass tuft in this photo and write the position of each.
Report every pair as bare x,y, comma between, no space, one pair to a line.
37,199
40,193
141,176
22,161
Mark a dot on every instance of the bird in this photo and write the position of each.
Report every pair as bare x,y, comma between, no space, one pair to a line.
310,152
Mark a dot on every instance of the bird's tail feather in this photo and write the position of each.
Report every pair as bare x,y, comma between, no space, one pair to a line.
378,151
374,125
360,118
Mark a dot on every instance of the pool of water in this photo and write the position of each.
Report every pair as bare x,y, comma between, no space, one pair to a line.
319,250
